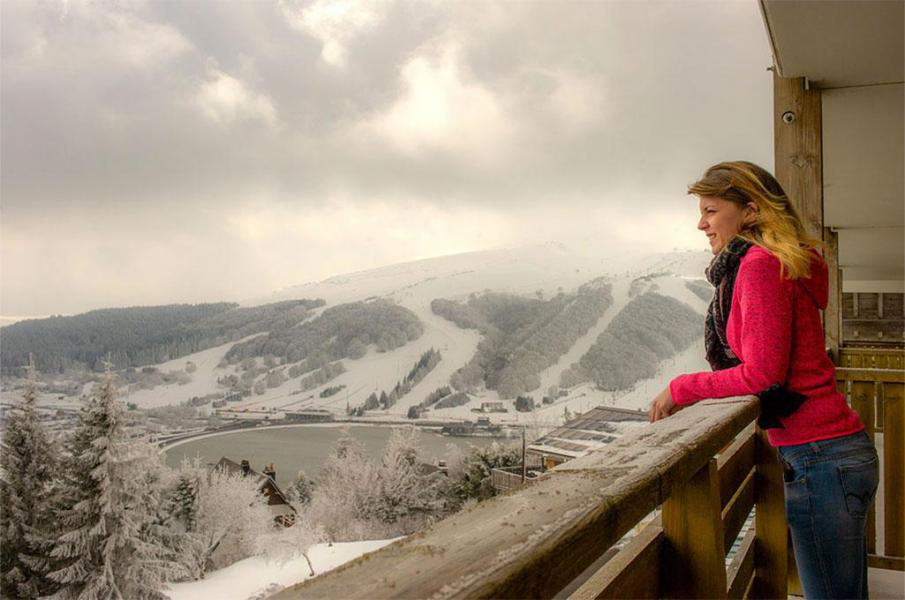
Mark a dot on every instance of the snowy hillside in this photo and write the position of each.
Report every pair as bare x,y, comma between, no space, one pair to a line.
535,271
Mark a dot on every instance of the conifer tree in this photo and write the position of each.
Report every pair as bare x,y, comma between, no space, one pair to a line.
27,466
108,545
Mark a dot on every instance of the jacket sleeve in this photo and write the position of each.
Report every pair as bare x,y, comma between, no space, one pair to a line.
765,302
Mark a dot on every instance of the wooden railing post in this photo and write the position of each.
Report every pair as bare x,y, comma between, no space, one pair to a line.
893,467
771,548
693,527
863,402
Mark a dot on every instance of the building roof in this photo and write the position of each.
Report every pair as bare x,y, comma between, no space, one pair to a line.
586,432
232,466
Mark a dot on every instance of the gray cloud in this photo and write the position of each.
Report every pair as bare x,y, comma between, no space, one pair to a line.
166,151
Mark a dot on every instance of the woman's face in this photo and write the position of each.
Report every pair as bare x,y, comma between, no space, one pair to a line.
721,220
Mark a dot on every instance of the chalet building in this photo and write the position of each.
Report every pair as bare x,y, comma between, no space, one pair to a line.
494,406
311,416
585,433
282,511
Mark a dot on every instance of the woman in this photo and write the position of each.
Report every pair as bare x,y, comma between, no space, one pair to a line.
763,336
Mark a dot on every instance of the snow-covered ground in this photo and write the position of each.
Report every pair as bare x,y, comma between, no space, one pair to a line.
258,578
204,379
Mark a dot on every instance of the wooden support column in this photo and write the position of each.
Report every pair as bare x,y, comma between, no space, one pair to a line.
693,527
894,468
832,318
771,548
863,402
797,146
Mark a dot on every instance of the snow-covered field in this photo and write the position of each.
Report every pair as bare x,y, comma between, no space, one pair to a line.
258,578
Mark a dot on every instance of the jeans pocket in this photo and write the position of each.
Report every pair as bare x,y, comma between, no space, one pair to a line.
859,484
797,497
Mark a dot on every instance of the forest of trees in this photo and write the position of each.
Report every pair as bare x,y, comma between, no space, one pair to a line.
649,329
424,365
139,336
343,331
326,373
701,288
521,336
97,514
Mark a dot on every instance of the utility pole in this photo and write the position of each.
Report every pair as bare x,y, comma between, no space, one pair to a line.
524,462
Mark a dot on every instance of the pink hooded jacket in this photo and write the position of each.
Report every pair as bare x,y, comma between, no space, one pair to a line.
774,328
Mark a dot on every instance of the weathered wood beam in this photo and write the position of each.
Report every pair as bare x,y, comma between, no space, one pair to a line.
735,463
694,565
632,573
894,469
741,569
881,375
771,559
736,512
832,317
797,146
533,542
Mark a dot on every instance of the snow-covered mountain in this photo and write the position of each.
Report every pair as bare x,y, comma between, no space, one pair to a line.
537,271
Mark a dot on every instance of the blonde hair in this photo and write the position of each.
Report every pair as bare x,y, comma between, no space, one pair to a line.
776,226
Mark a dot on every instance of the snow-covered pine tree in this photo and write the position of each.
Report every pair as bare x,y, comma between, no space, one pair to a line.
342,502
404,494
27,471
108,546
182,504
300,491
230,514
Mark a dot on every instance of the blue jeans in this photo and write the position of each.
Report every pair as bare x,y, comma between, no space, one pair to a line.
829,487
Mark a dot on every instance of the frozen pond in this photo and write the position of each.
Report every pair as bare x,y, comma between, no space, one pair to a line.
305,447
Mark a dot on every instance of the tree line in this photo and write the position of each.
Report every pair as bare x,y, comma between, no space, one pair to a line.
139,336
522,336
343,331
648,329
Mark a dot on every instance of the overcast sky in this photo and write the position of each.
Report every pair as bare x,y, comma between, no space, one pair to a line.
185,151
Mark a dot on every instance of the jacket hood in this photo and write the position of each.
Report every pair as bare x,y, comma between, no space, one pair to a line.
817,285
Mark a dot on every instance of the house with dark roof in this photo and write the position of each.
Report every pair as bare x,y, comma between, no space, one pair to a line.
282,511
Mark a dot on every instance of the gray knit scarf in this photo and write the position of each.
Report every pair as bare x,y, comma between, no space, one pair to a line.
721,274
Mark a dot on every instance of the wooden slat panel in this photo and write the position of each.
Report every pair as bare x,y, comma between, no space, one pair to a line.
863,402
894,470
535,541
741,569
886,562
771,546
693,528
882,375
632,573
734,464
737,511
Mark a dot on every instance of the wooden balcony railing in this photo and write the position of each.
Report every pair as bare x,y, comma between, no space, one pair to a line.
877,396
705,466
871,358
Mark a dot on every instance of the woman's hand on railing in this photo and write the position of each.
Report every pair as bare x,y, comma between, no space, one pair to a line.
662,406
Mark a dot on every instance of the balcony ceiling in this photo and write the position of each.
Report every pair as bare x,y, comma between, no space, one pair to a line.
837,44
854,52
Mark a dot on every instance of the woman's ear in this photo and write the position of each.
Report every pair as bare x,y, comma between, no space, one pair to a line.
751,213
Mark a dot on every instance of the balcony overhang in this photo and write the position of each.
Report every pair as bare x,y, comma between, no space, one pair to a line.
853,54
837,44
